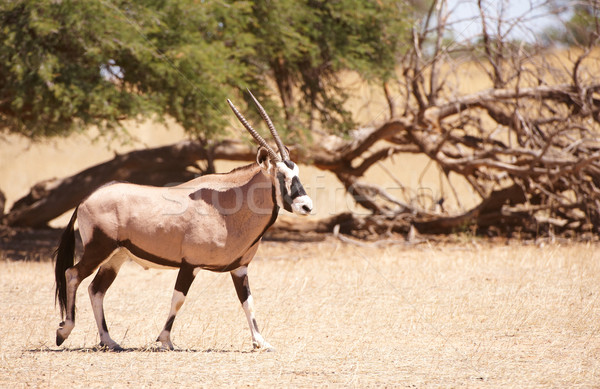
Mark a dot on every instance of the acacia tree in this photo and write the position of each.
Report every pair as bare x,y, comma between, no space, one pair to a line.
67,65
305,45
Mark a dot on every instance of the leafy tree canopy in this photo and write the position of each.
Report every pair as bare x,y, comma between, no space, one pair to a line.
66,65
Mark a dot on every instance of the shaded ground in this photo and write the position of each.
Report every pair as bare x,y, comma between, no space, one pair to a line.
468,314
28,244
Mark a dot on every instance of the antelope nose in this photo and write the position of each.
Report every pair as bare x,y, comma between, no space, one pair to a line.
302,205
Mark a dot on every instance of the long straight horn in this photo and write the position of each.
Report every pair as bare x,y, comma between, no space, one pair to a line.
252,131
282,149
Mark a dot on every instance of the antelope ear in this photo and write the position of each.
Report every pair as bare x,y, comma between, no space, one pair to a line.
262,158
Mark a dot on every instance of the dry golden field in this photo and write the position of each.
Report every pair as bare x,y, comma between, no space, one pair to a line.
467,314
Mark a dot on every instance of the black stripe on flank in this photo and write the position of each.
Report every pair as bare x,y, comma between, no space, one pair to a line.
143,254
221,269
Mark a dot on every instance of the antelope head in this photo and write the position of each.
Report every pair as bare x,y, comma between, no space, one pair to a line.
289,191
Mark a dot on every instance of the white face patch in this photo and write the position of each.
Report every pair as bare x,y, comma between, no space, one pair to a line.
291,195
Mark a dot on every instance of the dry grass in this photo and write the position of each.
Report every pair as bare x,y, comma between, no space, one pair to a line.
453,315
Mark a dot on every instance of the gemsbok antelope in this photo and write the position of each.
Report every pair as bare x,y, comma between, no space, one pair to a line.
212,222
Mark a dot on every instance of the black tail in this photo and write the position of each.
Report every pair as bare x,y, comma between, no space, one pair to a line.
65,254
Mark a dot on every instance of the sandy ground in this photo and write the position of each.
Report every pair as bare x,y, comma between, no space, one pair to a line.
453,315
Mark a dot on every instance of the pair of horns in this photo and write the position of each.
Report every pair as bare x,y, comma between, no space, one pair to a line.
282,149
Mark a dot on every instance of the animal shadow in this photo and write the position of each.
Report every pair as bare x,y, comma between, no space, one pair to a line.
143,349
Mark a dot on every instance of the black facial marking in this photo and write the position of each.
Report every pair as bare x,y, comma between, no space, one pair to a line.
297,188
287,200
289,164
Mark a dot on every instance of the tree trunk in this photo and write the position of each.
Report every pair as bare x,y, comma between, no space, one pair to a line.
158,166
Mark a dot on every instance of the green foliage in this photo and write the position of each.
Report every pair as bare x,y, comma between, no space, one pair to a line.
66,65
583,26
305,44
57,61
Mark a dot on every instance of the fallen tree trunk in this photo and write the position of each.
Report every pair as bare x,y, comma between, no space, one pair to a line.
2,203
158,166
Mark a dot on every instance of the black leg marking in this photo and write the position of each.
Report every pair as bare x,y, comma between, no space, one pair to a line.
97,289
185,277
169,324
103,280
242,287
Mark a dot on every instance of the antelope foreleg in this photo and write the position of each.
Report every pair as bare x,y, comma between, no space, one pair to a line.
185,277
242,287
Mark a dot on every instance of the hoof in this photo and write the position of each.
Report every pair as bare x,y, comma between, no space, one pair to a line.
165,345
112,347
63,332
59,339
266,347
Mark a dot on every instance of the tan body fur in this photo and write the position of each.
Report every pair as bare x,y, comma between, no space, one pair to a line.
207,222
